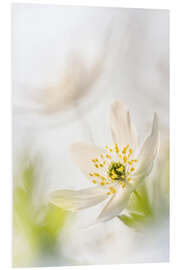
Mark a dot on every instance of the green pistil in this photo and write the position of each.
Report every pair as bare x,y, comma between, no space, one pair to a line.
117,171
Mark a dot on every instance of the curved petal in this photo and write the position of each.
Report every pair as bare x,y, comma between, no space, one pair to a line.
148,152
82,155
115,205
74,200
123,131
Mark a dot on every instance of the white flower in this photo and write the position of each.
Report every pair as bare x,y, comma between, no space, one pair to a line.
116,171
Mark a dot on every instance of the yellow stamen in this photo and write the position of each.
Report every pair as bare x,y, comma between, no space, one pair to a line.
125,159
101,156
120,169
112,189
102,183
108,156
101,165
132,169
108,193
123,185
116,148
94,181
124,150
90,174
96,166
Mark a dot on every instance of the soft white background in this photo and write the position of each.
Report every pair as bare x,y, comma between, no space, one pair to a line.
7,169
135,70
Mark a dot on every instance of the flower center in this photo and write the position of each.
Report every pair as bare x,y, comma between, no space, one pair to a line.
113,167
117,171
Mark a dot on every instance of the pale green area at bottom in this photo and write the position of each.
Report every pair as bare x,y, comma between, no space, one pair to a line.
36,229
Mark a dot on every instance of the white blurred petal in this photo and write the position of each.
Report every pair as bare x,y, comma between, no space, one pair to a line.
74,200
115,205
123,131
148,152
82,155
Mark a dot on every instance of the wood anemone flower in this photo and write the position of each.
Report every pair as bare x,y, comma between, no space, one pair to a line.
116,171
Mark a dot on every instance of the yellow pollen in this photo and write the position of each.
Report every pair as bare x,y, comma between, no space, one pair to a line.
110,150
122,176
90,174
114,175
125,159
101,165
93,160
101,156
108,156
120,169
132,169
108,193
116,148
133,160
120,156
122,184
102,183
96,174
102,178
104,162
96,166
130,151
94,181
129,179
124,151
107,147
130,162
96,160
112,189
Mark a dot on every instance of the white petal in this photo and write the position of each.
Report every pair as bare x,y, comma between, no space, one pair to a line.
82,155
148,152
74,200
123,131
115,205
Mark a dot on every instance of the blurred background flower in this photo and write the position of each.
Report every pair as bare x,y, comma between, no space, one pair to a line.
69,64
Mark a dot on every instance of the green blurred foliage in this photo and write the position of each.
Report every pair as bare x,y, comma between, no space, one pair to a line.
40,226
139,208
150,201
